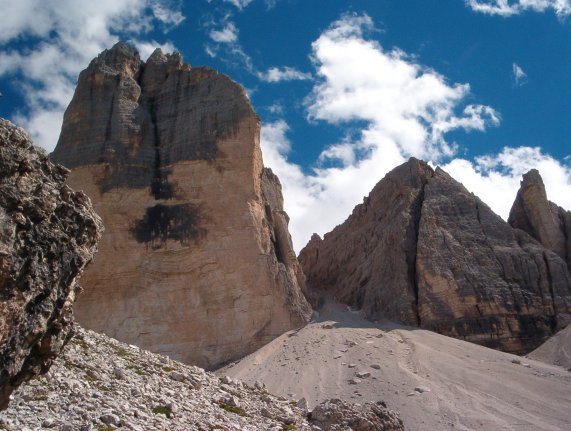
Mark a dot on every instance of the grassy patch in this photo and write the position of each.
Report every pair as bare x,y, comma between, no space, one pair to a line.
162,410
105,428
233,409
168,369
289,427
135,369
120,351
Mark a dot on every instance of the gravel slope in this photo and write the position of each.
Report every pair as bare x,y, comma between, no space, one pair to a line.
435,382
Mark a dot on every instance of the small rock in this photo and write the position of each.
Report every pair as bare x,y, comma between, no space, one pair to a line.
376,366
354,381
119,373
110,419
421,389
327,326
516,361
176,376
363,374
302,404
352,365
49,423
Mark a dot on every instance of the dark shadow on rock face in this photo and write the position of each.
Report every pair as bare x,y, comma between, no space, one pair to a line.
169,222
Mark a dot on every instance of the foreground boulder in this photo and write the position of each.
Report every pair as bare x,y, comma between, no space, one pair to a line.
540,218
423,251
99,383
196,261
48,233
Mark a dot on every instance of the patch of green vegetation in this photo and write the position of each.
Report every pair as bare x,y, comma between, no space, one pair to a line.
105,428
120,351
264,391
162,410
83,344
289,427
40,397
233,409
137,370
168,369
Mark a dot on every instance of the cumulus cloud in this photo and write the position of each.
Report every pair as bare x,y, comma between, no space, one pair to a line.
407,110
508,8
227,34
62,36
519,76
277,74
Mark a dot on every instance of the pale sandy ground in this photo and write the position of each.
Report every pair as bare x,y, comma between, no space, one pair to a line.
470,387
556,350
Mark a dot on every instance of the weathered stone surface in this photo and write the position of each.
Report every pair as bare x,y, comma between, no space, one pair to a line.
196,261
48,233
540,218
424,251
338,415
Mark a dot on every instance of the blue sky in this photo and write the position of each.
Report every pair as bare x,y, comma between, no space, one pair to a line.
346,90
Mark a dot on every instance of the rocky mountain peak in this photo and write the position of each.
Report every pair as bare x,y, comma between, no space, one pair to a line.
171,158
424,251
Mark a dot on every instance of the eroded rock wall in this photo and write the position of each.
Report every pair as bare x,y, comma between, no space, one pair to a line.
424,251
195,261
48,233
540,218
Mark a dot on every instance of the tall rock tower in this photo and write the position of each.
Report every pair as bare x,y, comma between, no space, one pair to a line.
196,261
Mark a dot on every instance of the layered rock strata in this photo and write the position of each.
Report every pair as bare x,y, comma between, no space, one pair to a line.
48,233
540,218
196,261
424,251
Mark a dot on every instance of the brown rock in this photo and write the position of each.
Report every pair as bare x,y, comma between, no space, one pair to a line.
540,218
48,233
424,251
196,261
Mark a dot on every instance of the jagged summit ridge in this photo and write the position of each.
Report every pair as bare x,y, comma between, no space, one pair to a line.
424,251
197,261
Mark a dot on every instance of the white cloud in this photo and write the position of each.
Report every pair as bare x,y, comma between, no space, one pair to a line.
62,36
508,8
520,77
228,34
407,109
277,74
240,4
146,48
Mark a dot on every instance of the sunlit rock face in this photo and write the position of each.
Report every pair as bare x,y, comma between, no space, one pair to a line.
196,261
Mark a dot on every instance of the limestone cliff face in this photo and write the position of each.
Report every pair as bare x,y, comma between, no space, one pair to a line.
196,261
424,251
540,218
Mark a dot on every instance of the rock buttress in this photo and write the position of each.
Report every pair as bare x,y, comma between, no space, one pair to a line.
48,233
170,156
